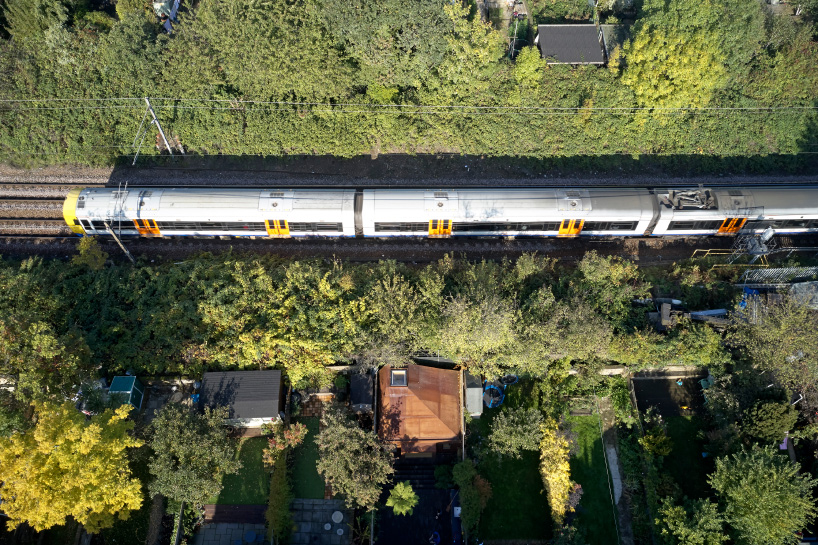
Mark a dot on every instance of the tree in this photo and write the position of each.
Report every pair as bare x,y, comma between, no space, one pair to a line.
480,334
781,338
352,461
402,499
475,492
45,363
515,430
90,254
684,51
769,421
697,523
765,499
192,453
555,469
609,284
67,466
395,43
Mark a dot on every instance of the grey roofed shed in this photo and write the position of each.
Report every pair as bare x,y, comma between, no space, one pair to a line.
474,395
252,397
570,44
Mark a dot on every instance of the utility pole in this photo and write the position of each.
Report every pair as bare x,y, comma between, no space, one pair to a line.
154,121
158,125
116,238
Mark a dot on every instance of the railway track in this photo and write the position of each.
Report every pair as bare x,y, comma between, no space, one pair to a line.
645,251
33,226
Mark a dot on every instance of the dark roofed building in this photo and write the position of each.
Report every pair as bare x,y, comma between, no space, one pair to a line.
570,44
252,397
420,408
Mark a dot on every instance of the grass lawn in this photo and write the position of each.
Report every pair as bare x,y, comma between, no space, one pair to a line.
685,463
252,483
596,515
517,508
307,483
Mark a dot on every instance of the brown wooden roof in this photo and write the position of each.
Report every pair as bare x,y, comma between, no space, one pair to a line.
422,414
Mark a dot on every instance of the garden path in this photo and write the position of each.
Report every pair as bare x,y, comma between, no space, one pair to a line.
155,525
606,414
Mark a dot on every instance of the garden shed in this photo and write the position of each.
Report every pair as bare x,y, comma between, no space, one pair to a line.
252,398
570,44
129,389
420,409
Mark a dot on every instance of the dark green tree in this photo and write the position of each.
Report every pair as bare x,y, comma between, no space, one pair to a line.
769,420
192,453
394,43
352,461
765,499
515,430
696,523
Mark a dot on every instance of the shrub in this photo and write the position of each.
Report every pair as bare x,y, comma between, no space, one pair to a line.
475,492
278,505
402,499
769,421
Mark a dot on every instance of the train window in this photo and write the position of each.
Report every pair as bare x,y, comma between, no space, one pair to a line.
694,225
495,227
98,225
623,225
245,226
401,227
796,223
303,227
681,225
85,223
81,202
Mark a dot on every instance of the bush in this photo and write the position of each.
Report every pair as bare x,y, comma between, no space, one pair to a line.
278,505
475,492
402,499
769,421
443,477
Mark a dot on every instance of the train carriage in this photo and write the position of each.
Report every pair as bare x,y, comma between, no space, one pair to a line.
211,212
508,212
733,211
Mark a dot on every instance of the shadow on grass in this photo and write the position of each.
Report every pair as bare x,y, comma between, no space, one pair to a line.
595,513
518,508
685,463
251,484
307,483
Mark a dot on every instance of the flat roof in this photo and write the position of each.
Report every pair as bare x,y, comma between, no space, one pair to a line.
570,44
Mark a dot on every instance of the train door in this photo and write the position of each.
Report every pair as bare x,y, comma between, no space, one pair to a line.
570,228
440,228
277,228
731,226
147,228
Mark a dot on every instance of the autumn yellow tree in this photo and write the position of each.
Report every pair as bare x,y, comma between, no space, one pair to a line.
555,469
67,466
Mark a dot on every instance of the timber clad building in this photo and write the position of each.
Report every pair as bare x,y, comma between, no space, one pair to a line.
420,409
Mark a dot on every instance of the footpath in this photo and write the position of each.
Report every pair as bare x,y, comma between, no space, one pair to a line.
623,511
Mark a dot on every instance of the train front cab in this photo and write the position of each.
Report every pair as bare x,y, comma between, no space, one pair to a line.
69,211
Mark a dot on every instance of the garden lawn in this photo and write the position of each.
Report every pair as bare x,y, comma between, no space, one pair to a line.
596,512
251,484
306,481
518,509
685,463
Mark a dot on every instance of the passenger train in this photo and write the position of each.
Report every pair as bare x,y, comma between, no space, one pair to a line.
285,213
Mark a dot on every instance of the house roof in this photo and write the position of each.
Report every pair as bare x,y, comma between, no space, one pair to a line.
424,412
247,394
570,44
